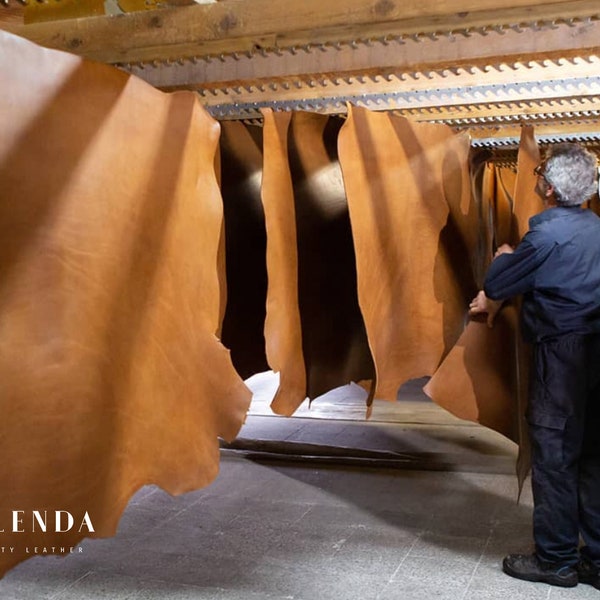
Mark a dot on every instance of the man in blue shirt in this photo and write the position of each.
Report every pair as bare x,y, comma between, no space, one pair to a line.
556,268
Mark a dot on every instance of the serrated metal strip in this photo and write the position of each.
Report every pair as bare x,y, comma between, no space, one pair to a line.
421,98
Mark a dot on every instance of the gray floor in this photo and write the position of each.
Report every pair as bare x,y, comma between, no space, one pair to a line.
418,510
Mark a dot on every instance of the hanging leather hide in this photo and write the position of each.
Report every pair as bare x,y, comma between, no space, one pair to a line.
415,231
111,374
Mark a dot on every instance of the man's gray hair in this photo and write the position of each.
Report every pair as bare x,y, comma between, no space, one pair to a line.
573,173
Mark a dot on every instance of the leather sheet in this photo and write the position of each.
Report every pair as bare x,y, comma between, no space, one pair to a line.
527,202
483,185
313,300
415,234
111,374
283,327
484,378
334,340
246,245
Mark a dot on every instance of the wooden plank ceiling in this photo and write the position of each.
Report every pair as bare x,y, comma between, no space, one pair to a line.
485,65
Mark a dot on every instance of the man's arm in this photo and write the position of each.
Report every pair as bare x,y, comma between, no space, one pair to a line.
511,274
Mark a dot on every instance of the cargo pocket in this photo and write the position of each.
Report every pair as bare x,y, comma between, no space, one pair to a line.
547,437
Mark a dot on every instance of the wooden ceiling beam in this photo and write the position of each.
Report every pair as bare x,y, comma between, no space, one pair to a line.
234,26
393,56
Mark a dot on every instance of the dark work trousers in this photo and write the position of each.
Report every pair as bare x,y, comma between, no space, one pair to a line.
564,424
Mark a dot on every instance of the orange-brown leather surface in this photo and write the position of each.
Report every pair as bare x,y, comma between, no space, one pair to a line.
484,378
414,232
245,256
312,270
527,201
477,380
503,202
483,190
334,339
111,375
283,327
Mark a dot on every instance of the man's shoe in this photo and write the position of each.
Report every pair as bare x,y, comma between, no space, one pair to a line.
530,568
588,573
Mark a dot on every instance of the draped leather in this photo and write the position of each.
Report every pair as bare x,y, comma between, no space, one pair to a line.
111,374
415,231
241,153
313,317
334,340
283,327
485,377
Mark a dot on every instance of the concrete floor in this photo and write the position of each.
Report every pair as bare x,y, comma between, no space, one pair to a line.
408,510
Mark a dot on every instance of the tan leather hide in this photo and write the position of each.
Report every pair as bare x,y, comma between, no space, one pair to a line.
283,328
415,233
111,375
484,378
241,179
313,318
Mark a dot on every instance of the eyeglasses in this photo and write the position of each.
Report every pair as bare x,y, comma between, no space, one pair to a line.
540,170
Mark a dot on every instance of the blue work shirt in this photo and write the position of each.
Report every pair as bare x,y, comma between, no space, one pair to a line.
557,269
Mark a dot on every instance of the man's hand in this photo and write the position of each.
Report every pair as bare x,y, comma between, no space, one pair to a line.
481,304
504,249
